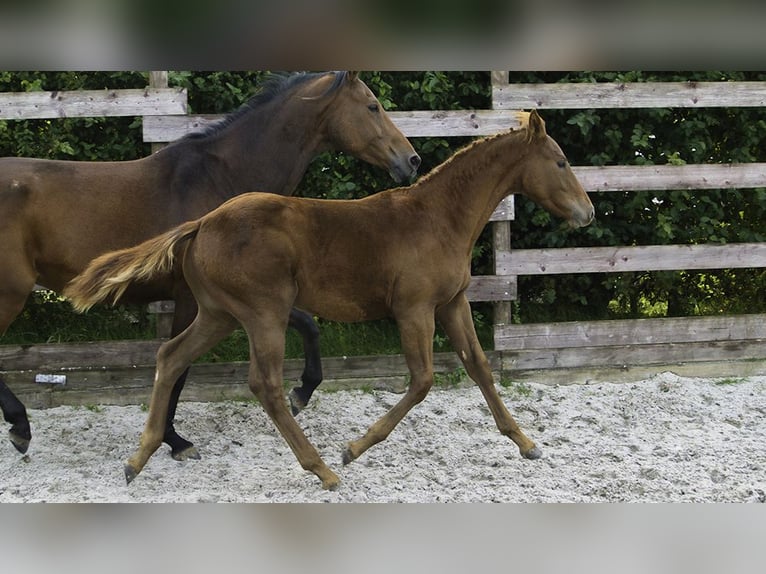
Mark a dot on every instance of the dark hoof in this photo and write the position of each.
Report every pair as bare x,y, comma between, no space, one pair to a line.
297,404
188,453
130,473
20,442
347,456
533,453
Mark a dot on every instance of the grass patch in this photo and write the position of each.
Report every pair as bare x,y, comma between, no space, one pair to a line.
729,381
517,388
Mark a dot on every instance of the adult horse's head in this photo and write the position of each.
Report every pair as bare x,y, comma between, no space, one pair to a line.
357,124
547,177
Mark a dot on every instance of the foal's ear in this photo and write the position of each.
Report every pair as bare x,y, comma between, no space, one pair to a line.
351,76
536,127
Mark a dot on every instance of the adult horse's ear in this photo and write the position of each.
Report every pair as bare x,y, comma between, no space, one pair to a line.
351,76
536,126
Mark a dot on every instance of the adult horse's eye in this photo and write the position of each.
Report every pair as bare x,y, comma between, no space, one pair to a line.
561,163
373,107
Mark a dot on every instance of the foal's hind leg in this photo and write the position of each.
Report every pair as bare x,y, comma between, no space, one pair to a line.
312,370
172,358
267,343
416,332
457,322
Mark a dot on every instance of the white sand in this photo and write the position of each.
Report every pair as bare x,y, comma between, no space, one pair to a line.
663,439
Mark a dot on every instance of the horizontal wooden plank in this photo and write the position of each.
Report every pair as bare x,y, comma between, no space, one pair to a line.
492,288
95,354
658,177
121,385
445,123
637,258
629,95
92,103
558,365
664,330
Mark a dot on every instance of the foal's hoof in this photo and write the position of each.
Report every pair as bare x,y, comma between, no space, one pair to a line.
347,455
533,453
188,453
20,442
130,473
297,404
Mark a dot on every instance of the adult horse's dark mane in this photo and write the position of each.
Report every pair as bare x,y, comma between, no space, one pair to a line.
273,85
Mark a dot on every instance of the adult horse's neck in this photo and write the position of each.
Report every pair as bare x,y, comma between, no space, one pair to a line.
266,147
270,148
468,187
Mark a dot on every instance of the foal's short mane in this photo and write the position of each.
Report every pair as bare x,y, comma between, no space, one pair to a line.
274,85
458,155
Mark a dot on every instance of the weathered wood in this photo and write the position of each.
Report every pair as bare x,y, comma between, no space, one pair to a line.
593,370
49,357
92,103
441,123
636,258
629,95
660,177
625,356
492,288
665,330
124,385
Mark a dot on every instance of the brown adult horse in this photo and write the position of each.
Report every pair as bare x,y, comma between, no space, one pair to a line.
403,253
56,216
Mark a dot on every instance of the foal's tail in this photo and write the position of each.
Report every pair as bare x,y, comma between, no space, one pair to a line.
108,276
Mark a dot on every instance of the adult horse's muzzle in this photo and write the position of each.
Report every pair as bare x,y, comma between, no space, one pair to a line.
405,169
581,217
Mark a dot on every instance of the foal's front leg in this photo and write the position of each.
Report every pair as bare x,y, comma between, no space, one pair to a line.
457,322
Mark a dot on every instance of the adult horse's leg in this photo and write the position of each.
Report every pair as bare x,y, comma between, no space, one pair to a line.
173,357
13,296
417,332
183,315
14,413
457,322
312,369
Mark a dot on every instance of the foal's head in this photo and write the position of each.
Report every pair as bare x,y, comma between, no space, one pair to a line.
548,180
357,124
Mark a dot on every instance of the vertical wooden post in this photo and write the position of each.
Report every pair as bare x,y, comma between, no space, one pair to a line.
158,80
501,229
162,309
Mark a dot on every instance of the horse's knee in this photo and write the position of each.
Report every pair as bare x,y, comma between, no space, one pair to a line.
419,387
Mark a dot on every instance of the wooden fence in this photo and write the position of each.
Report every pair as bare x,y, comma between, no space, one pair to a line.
121,372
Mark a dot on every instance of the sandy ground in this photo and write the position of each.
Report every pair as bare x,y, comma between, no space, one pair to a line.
664,439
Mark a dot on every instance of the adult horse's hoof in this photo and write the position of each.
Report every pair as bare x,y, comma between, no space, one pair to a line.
297,404
533,453
20,441
130,473
188,453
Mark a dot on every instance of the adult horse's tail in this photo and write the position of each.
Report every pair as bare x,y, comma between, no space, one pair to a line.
108,276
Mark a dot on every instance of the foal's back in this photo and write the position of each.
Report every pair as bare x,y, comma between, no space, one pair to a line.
343,260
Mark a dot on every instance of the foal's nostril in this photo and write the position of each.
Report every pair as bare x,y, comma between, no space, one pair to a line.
415,161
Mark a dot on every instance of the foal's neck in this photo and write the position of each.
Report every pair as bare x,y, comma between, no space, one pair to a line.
468,187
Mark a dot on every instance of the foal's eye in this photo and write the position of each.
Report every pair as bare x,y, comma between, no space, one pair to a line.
373,107
561,163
